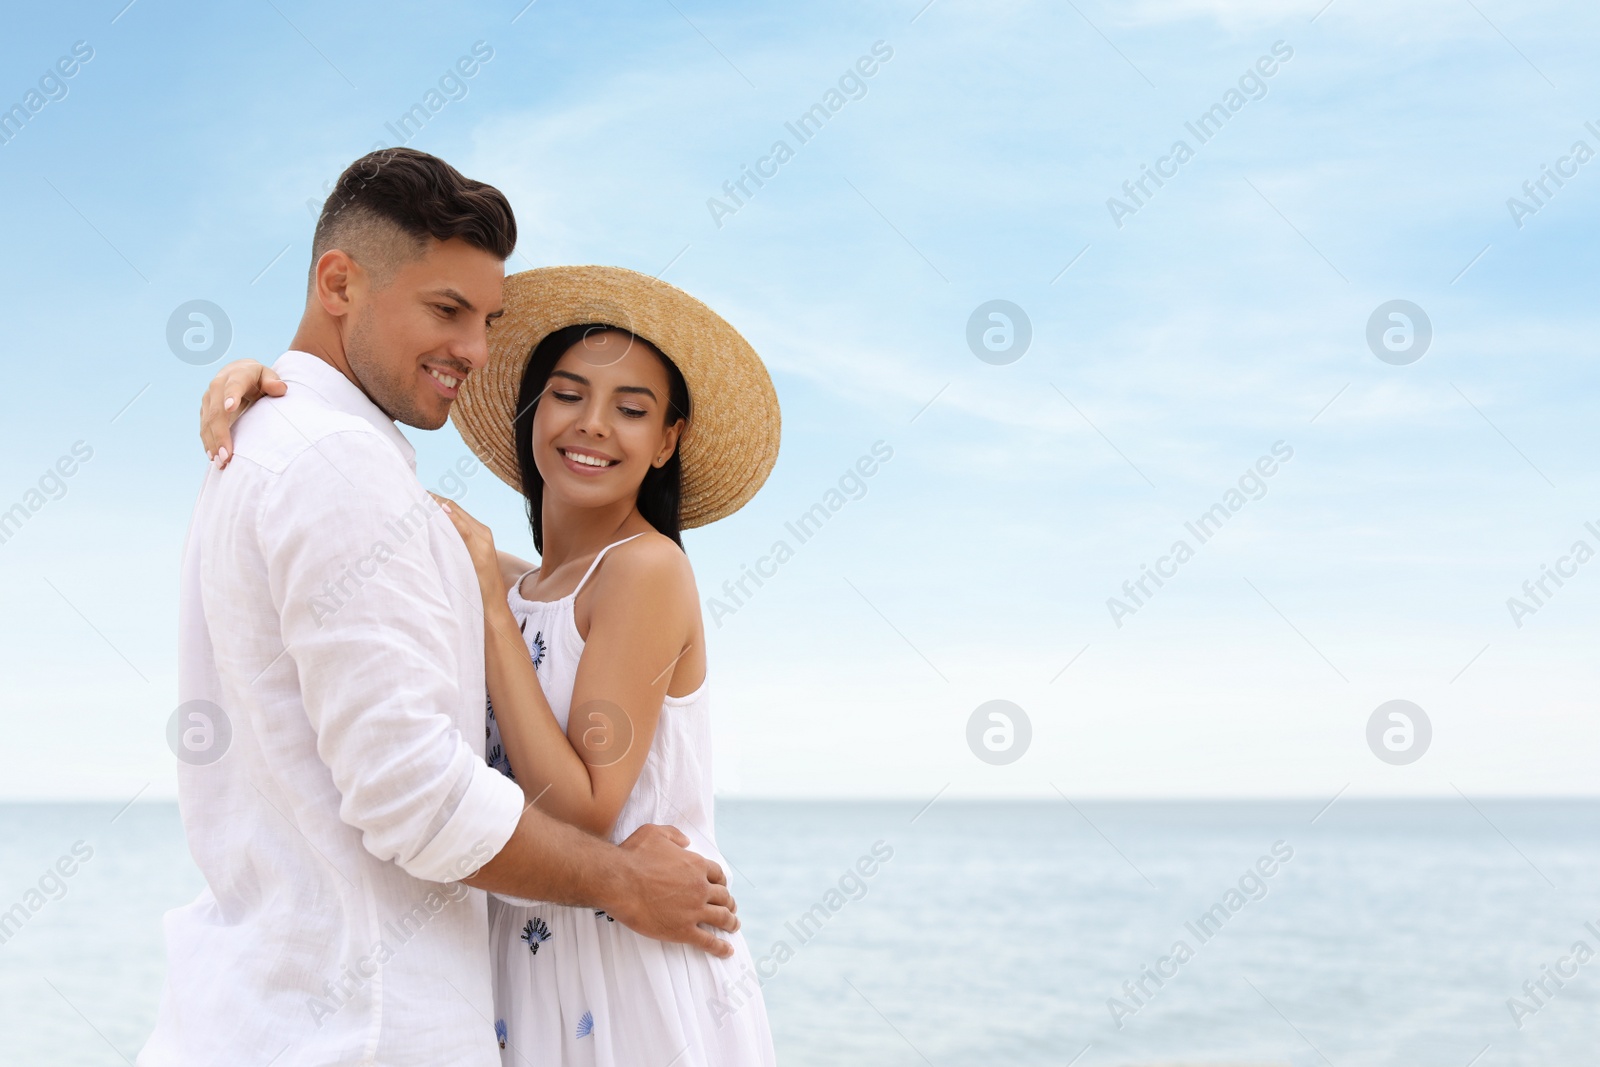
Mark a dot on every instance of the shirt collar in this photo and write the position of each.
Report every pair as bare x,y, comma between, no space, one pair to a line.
340,393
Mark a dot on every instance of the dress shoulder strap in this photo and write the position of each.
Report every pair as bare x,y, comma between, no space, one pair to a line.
516,586
598,556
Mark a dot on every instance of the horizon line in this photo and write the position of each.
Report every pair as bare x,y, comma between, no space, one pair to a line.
977,798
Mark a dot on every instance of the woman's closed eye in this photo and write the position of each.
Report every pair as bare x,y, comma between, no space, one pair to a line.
573,398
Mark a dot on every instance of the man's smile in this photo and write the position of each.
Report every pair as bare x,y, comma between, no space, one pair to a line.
447,382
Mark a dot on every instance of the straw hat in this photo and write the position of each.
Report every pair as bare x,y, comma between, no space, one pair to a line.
731,441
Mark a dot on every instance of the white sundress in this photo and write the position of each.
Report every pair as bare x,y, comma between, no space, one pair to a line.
572,985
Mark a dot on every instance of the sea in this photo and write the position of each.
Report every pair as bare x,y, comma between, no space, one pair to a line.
1448,932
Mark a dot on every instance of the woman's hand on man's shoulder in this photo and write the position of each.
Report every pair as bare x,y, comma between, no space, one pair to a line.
236,386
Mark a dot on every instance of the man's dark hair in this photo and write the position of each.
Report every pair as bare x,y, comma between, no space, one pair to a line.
389,202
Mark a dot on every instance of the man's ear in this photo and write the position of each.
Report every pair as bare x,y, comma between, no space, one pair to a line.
336,274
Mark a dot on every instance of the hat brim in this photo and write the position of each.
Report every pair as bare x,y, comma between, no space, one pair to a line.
731,442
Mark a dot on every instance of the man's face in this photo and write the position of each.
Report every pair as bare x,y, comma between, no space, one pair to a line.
414,341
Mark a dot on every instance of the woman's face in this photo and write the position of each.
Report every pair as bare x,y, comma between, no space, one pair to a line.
601,423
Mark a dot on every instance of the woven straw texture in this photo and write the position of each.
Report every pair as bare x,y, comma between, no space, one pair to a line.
731,442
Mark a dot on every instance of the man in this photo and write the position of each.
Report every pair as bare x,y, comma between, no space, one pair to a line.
331,648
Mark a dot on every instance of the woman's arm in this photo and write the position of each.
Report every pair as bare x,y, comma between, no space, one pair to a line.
637,632
638,627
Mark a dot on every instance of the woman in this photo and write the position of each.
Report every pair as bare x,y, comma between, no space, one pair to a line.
623,410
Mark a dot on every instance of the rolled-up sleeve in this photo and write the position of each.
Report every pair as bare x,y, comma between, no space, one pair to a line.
366,618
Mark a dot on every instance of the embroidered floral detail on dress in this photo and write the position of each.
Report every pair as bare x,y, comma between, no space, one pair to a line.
495,756
500,1031
599,913
586,1024
535,934
495,753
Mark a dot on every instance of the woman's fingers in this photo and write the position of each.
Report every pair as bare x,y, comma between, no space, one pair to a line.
210,408
457,518
473,533
224,403
455,509
233,390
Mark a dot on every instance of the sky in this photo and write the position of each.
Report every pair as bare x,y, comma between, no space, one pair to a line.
1185,336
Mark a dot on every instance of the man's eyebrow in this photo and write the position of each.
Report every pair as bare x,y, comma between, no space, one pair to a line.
453,294
581,380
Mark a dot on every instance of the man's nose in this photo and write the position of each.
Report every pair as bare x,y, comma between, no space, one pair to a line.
473,349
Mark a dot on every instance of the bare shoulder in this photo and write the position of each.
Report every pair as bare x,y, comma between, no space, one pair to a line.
645,588
512,568
651,564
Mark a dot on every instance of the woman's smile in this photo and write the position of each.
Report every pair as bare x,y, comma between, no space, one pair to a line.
586,461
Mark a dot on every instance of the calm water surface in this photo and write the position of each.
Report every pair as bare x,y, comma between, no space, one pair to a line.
999,933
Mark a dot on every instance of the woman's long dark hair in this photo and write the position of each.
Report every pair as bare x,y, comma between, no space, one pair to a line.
660,493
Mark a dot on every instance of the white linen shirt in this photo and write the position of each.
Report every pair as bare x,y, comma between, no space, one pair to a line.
330,617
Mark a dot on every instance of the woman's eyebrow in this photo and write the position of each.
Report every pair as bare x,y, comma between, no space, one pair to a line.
581,380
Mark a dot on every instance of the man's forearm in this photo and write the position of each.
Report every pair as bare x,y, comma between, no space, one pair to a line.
546,859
